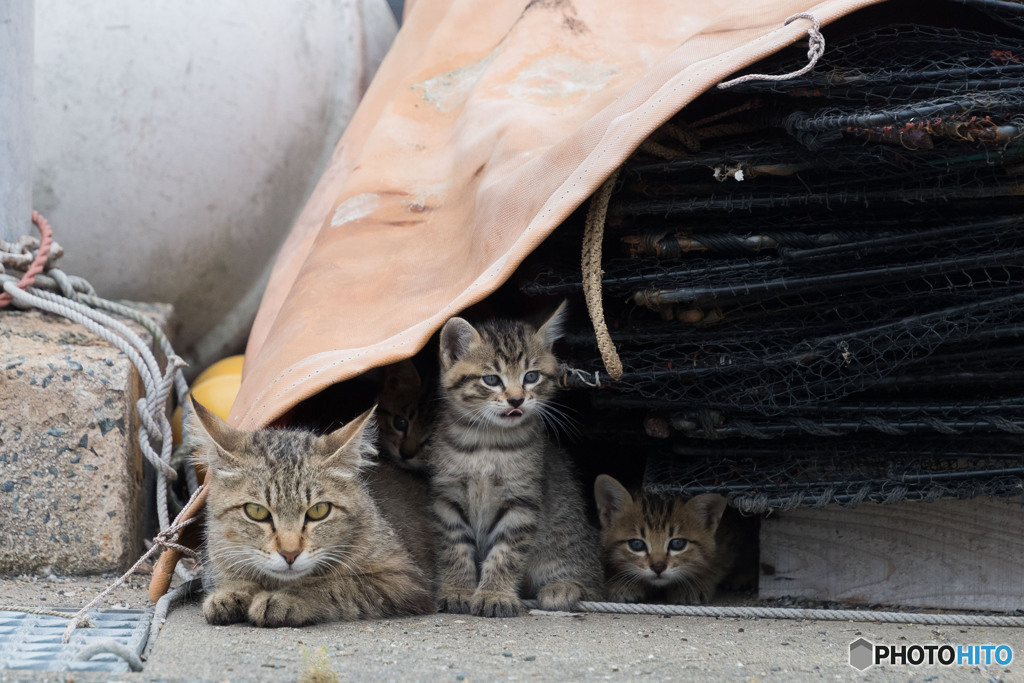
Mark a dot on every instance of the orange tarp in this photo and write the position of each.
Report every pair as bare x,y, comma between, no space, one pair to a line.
488,122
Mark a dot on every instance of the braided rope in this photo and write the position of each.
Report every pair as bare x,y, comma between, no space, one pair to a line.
751,612
593,237
163,607
62,614
815,49
110,646
168,538
38,261
75,299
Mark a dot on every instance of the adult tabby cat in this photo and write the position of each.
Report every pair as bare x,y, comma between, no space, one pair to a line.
662,549
509,509
405,415
297,531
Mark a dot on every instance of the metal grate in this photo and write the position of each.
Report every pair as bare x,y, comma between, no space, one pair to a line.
32,641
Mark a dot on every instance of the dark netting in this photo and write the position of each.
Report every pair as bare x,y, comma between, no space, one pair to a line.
827,271
814,472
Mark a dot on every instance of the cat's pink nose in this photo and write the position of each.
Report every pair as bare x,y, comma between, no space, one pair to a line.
290,555
658,567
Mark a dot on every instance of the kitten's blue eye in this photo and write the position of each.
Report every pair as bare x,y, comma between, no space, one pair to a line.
637,545
531,377
400,423
491,380
677,544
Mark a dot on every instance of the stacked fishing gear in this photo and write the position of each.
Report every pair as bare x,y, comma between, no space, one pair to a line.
816,286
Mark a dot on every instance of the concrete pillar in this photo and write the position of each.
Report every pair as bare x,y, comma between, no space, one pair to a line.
17,28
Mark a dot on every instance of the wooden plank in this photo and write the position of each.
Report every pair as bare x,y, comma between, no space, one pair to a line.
956,554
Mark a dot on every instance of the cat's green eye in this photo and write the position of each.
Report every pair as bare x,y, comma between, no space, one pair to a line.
491,380
531,377
318,511
677,544
400,423
256,512
637,545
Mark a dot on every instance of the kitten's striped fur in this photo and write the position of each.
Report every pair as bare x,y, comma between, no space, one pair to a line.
654,569
275,560
507,504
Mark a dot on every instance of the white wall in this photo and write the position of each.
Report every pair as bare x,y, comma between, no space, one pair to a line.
175,142
15,119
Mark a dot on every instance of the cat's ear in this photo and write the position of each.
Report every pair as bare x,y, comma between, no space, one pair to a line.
612,499
709,508
457,338
353,445
401,375
554,327
219,441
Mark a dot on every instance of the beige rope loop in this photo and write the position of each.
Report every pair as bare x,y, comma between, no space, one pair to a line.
593,236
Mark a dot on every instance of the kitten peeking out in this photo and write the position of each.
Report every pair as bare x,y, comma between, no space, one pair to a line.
509,509
297,531
658,548
404,413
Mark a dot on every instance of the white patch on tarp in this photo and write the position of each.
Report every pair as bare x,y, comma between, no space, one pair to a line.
420,195
560,76
450,90
354,208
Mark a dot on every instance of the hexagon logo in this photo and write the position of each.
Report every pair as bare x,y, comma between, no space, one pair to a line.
861,654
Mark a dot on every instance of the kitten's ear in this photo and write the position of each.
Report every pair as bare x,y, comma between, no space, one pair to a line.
554,327
457,338
352,445
401,375
612,499
709,508
219,441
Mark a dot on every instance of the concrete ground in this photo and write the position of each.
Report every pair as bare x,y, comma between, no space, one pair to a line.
538,647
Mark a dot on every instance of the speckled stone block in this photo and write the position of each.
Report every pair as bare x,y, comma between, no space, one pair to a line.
72,499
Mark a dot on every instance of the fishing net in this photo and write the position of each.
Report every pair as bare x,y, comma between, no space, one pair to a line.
830,268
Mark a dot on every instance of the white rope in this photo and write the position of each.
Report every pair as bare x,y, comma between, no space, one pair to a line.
164,605
815,49
110,646
752,612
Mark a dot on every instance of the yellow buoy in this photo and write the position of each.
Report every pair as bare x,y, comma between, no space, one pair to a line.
232,365
215,393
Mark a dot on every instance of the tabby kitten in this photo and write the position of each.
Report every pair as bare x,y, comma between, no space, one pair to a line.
404,416
509,509
294,535
660,549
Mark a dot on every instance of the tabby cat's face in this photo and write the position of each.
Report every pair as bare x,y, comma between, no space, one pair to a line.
656,541
404,417
283,504
501,373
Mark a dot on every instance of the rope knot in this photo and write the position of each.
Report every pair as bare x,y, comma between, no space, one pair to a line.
815,49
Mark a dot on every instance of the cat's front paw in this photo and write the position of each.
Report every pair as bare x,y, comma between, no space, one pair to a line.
273,610
226,607
454,601
560,596
495,604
